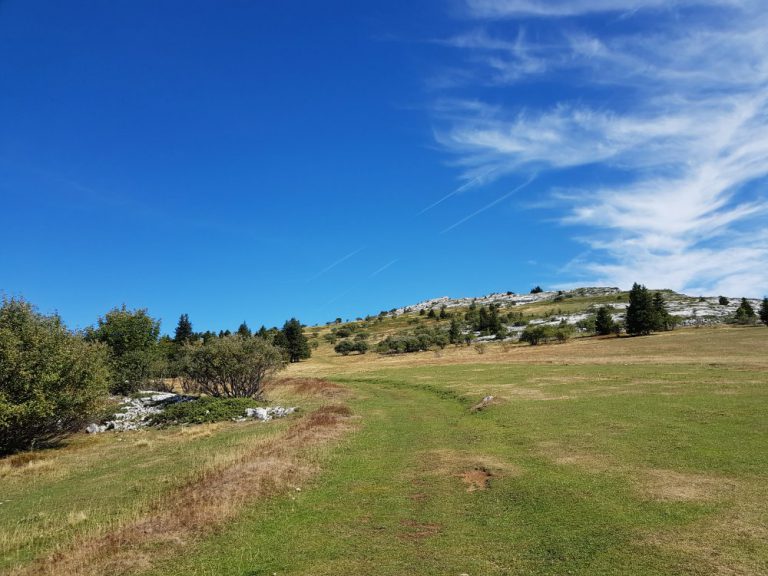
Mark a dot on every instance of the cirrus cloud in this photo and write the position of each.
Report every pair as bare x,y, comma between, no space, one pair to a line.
678,108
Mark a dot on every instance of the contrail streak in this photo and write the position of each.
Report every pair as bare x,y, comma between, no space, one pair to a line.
380,270
339,261
458,190
491,205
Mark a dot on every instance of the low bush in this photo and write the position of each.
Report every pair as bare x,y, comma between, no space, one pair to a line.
231,366
204,409
542,334
346,347
419,340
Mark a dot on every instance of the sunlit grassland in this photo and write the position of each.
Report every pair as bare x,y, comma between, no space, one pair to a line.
599,456
621,463
93,484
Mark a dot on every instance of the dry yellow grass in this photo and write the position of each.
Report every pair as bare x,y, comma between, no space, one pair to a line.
723,345
269,466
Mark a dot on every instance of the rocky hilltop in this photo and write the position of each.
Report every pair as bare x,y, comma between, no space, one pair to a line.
690,310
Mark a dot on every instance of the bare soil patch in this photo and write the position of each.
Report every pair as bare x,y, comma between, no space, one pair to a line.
476,479
474,470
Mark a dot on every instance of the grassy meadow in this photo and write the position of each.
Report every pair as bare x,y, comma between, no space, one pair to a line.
599,456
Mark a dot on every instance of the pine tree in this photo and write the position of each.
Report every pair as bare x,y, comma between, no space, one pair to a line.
604,323
243,330
745,314
662,320
454,332
763,313
295,343
183,330
640,314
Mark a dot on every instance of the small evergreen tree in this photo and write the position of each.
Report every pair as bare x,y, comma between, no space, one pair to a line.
745,314
723,301
536,290
640,317
243,331
763,313
662,319
431,313
454,331
443,312
604,323
294,342
183,330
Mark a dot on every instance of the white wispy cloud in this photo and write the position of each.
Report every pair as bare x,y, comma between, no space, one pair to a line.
560,8
688,130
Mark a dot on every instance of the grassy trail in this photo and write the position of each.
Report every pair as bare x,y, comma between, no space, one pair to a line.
405,495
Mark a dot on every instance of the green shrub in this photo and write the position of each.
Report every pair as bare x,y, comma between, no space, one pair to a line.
537,334
346,347
50,379
204,409
420,340
131,337
231,366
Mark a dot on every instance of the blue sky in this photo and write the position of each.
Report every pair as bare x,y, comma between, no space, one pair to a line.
240,160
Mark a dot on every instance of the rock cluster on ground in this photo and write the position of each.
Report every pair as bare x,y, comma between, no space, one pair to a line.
269,413
135,413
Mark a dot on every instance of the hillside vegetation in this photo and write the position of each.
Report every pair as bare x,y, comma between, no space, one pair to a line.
599,455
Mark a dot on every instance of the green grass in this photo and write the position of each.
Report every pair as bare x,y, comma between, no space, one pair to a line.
596,470
626,456
98,481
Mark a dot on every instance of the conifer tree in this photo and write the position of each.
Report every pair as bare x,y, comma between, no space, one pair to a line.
662,320
640,313
243,330
183,330
604,323
293,340
763,313
454,332
745,314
